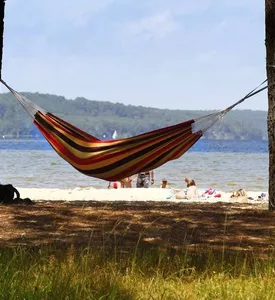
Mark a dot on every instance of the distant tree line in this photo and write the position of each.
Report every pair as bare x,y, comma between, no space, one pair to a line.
102,118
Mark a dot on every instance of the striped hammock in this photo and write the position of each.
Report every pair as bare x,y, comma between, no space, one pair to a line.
116,159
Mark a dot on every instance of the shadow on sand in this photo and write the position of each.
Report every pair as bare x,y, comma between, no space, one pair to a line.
153,224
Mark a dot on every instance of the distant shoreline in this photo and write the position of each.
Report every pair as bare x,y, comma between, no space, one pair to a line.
204,145
102,118
204,139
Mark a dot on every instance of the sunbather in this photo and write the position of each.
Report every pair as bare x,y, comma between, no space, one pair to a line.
189,182
190,193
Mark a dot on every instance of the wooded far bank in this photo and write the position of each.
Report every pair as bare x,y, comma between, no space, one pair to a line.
101,118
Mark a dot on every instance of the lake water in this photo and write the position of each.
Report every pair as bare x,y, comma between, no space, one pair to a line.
224,165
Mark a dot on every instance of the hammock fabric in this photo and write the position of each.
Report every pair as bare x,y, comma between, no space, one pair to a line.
116,159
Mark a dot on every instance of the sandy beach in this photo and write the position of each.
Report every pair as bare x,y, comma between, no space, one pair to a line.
133,194
122,218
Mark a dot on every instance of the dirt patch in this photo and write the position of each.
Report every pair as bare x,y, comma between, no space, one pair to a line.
124,224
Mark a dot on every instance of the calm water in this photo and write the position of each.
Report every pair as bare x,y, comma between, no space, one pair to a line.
225,165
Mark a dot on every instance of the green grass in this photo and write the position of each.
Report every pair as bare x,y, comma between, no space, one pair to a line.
48,273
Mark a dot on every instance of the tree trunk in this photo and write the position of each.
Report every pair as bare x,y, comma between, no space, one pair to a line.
270,69
2,12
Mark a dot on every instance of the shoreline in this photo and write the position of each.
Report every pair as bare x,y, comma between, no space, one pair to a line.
131,194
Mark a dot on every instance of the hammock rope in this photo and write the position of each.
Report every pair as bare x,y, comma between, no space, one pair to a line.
116,159
204,123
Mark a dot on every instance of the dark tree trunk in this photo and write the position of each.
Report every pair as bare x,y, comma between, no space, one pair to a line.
270,69
2,12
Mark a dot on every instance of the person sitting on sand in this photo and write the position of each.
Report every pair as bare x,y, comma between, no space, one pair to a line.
190,193
126,182
189,182
123,183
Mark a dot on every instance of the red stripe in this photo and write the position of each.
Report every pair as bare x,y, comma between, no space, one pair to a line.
53,123
102,157
138,167
50,138
129,171
197,136
173,130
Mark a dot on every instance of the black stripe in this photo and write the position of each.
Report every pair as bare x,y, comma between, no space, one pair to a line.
84,149
125,160
150,165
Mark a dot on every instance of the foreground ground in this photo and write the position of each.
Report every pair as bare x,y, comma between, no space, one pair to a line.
124,224
63,271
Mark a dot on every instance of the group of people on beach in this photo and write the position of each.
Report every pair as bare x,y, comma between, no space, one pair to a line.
144,179
191,191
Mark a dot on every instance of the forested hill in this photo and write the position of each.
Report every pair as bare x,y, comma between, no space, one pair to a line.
101,118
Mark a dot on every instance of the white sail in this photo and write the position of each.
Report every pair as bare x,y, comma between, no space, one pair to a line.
114,136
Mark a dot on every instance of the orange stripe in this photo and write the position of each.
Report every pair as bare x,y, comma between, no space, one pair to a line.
119,149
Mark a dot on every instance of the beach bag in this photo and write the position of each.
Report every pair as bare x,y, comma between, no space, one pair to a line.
7,193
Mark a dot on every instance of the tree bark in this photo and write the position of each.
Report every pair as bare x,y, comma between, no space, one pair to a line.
270,70
2,13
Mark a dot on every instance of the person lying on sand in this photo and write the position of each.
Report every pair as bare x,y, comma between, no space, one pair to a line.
240,195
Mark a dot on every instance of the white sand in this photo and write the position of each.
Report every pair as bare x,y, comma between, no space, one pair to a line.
134,194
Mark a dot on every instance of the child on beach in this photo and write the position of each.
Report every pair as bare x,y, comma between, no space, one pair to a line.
164,184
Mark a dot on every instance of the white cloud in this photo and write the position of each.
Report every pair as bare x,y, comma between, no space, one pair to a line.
157,26
78,48
77,12
33,12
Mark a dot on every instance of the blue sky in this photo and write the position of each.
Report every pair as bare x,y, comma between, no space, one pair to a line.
177,54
